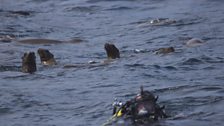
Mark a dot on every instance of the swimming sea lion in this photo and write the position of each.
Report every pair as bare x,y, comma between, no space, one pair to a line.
164,50
34,41
46,57
29,62
194,42
112,51
39,41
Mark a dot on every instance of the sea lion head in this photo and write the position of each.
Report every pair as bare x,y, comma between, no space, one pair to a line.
112,51
46,57
170,49
29,62
165,50
146,106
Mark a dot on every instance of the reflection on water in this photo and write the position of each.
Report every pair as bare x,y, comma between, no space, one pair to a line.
188,81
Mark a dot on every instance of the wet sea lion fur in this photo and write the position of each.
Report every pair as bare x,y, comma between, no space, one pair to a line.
37,41
112,51
46,57
29,62
164,50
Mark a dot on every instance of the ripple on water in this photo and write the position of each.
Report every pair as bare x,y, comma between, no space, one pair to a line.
9,68
202,60
4,110
119,8
187,101
82,9
82,96
16,13
192,61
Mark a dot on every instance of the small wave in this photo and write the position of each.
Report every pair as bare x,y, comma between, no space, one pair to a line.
192,61
156,22
170,68
16,13
136,65
211,88
119,8
84,9
189,21
4,110
95,1
199,101
141,51
212,60
9,68
220,78
201,60
175,88
180,108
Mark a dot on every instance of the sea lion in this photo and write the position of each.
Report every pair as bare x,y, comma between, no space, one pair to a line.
194,42
39,41
112,51
34,41
29,62
46,57
164,50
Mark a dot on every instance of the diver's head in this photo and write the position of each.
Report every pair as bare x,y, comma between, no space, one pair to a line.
145,95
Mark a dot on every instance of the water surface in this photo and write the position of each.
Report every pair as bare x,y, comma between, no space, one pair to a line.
189,82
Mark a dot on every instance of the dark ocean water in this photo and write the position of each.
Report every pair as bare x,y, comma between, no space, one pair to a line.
189,82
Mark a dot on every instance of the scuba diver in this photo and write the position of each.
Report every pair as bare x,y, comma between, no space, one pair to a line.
142,109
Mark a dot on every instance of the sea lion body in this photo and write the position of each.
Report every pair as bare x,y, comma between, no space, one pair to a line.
49,41
164,50
39,41
194,42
